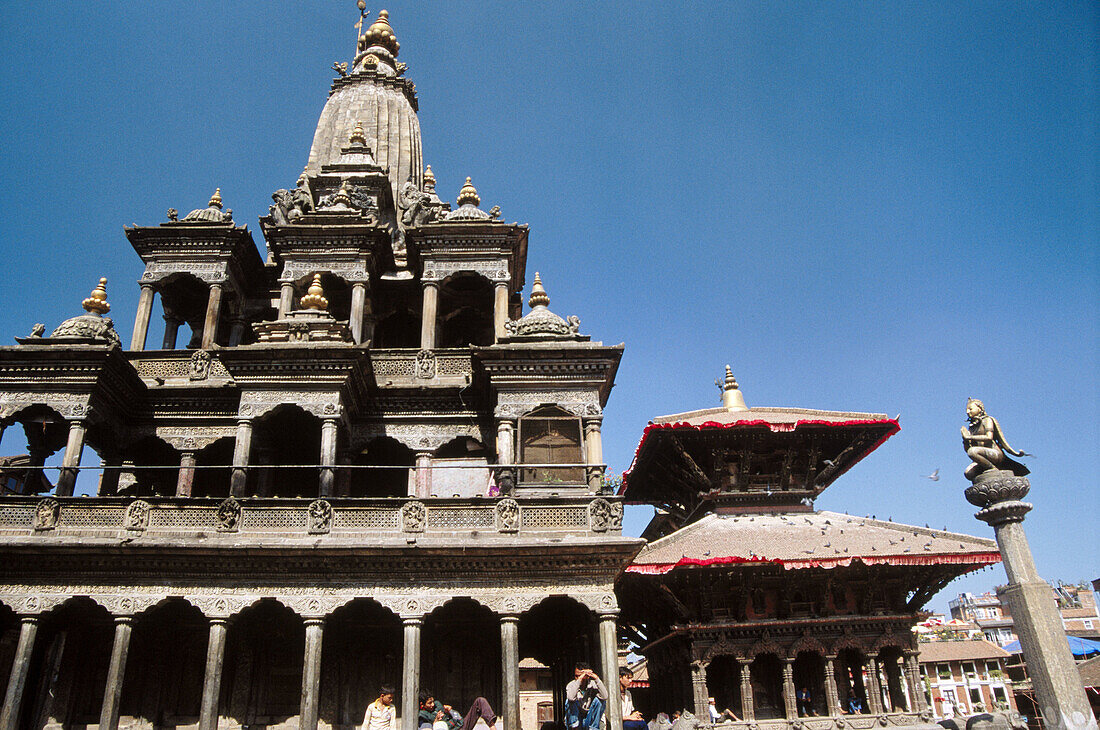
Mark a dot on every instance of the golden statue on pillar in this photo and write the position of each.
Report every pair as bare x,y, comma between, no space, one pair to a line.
985,444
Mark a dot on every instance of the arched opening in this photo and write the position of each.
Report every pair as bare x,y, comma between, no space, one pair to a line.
9,640
895,692
337,292
262,680
559,632
45,433
809,684
68,672
766,675
724,684
397,314
465,311
141,481
361,652
286,453
184,298
166,665
460,468
551,435
849,679
214,482
392,478
460,654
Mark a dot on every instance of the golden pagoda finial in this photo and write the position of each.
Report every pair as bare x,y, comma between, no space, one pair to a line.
380,33
357,135
732,397
215,200
315,297
539,297
97,300
429,180
343,196
468,194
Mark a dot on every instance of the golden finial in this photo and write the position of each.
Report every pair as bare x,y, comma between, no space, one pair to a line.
357,136
97,300
468,194
732,397
429,180
539,297
381,34
343,196
315,297
215,200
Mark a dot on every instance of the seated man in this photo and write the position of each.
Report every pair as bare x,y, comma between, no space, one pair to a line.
632,719
585,699
433,714
716,716
804,702
380,714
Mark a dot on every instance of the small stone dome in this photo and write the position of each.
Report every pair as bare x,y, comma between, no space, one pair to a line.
540,323
212,213
467,209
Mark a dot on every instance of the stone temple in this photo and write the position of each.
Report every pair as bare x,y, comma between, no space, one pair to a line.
358,461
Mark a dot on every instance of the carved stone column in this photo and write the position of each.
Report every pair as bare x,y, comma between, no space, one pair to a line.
286,299
311,675
141,321
506,455
239,482
70,462
358,310
240,326
593,444
428,315
790,702
699,690
17,680
748,714
213,315
108,480
187,474
500,308
328,456
423,474
171,331
609,661
873,688
832,699
509,665
112,694
212,680
410,673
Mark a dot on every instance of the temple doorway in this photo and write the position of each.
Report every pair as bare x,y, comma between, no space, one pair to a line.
360,653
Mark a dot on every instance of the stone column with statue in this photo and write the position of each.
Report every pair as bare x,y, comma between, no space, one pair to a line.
998,486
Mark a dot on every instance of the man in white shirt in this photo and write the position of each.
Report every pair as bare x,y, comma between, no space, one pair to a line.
632,719
380,713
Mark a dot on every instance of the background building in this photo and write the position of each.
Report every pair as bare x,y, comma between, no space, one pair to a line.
1076,604
966,677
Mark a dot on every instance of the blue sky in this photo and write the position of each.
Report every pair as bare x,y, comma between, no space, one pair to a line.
871,206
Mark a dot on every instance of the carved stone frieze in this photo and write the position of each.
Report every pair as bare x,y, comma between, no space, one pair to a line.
193,438
578,402
320,403
69,405
508,515
211,273
495,271
599,515
228,516
414,516
320,517
425,364
46,514
137,515
426,436
174,367
350,271
200,365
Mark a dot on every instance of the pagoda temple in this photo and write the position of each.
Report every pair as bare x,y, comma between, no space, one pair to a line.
350,462
748,595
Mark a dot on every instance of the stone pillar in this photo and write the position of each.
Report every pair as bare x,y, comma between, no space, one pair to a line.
187,474
358,310
141,321
916,684
410,673
171,331
509,665
747,712
108,480
112,694
699,690
328,456
236,334
239,481
311,675
832,699
593,446
428,314
423,474
790,702
212,681
286,299
500,310
609,664
17,680
70,462
1054,676
213,314
873,688
506,455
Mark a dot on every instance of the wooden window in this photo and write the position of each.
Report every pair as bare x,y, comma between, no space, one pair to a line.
549,435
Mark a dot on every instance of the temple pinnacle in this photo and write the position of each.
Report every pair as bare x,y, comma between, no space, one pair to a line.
215,200
539,297
468,194
343,195
429,180
357,136
97,300
381,34
315,296
732,398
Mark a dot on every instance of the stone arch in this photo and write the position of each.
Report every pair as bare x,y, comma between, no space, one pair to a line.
806,642
184,297
148,451
465,310
722,647
362,649
460,651
337,290
394,457
286,452
157,604
887,639
767,645
848,641
264,657
167,648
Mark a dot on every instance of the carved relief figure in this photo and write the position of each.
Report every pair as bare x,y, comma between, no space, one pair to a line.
985,444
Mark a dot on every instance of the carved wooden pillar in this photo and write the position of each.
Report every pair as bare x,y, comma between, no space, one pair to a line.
328,456
609,661
894,680
17,680
213,315
70,462
509,664
410,673
916,684
748,714
186,475
311,675
428,315
212,680
699,690
239,481
358,310
593,446
873,688
790,701
423,474
112,694
500,309
832,700
141,321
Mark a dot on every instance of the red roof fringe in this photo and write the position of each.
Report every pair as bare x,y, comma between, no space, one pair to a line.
978,560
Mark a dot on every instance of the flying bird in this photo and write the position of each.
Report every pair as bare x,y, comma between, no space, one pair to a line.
934,476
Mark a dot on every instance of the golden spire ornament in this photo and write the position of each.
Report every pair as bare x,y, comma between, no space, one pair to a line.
315,296
96,302
343,195
429,180
468,194
357,136
539,297
215,200
732,397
